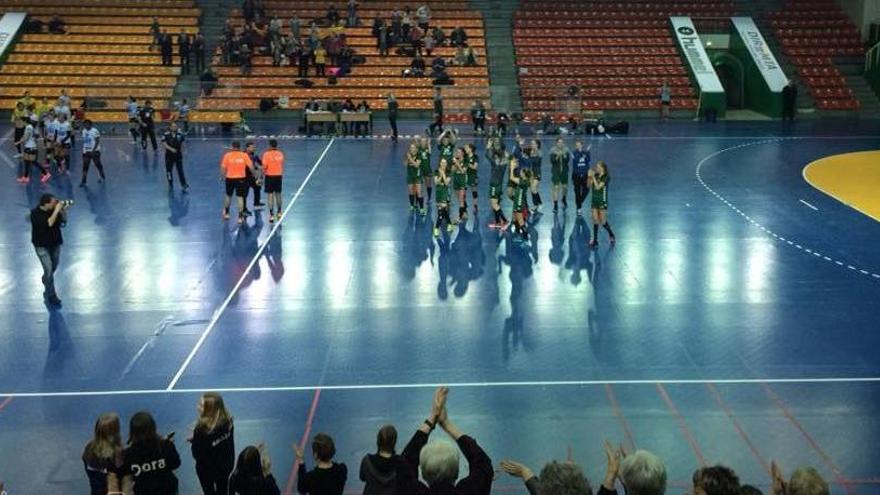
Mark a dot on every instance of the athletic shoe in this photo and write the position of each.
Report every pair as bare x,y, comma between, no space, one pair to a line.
259,206
101,180
436,232
240,219
247,212
278,216
185,189
45,178
593,243
412,208
579,213
17,155
271,218
423,212
22,180
449,228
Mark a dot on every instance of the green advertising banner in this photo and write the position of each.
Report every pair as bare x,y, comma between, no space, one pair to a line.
699,66
764,79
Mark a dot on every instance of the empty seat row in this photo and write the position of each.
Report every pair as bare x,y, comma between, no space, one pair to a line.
611,71
99,81
596,33
586,24
823,82
838,104
602,82
612,104
107,11
82,92
828,41
598,61
595,50
610,92
294,92
824,51
589,43
172,23
95,70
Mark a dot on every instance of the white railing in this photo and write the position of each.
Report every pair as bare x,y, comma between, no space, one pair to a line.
872,58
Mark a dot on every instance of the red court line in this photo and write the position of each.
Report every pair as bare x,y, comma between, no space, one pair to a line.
5,402
841,479
727,410
291,478
681,424
612,398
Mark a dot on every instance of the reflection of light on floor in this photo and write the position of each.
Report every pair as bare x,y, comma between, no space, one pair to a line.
671,261
721,262
759,269
338,271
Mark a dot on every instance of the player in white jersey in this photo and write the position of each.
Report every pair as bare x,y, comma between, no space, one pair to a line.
91,151
63,141
28,144
132,109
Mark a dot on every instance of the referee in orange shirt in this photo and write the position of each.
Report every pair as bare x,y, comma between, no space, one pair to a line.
233,169
273,170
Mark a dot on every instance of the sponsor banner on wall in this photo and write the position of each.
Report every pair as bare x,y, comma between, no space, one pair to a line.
698,61
759,50
10,23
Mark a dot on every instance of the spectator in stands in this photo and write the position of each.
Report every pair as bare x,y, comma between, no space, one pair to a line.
460,58
310,106
415,38
804,481
149,460
305,56
314,37
428,44
438,461
167,48
345,61
103,455
439,36
244,56
156,33
382,40
789,101
502,120
249,11
183,47
295,27
275,26
213,443
715,480
328,477
198,48
332,15
405,25
438,71
278,48
320,60
665,101
333,47
352,13
423,13
208,81
478,117
557,478
393,108
56,25
470,59
396,26
641,473
253,473
379,471
228,29
417,66
458,37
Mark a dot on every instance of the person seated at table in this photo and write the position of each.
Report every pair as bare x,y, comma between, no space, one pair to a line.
347,107
362,127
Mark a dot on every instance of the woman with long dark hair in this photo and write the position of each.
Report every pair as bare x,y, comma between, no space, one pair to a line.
253,473
149,460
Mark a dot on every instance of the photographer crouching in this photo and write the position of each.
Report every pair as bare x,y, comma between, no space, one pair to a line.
46,222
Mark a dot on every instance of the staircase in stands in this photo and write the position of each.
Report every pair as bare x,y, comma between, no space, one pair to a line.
498,20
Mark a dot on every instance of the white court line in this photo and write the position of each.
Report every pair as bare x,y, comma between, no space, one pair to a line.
809,205
213,323
698,172
399,386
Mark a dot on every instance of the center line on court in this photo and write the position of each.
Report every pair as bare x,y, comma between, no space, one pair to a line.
219,312
809,205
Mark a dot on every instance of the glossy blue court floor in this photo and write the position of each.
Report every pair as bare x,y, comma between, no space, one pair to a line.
731,323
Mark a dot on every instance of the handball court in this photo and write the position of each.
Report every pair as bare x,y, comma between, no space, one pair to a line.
735,321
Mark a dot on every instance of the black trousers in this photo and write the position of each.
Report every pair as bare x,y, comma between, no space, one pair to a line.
479,124
212,483
172,161
581,189
200,61
393,122
148,131
88,158
252,184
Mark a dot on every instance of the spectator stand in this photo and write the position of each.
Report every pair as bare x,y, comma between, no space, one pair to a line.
372,76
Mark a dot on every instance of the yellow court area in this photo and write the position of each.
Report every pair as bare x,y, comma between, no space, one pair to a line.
851,178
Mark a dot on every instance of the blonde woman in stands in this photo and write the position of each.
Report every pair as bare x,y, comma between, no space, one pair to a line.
213,444
102,456
320,60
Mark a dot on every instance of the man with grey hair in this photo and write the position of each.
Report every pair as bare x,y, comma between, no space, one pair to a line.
438,461
556,478
641,473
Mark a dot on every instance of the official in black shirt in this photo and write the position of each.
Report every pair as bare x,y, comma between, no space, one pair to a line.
198,47
393,107
172,140
46,221
183,47
253,179
166,47
147,124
